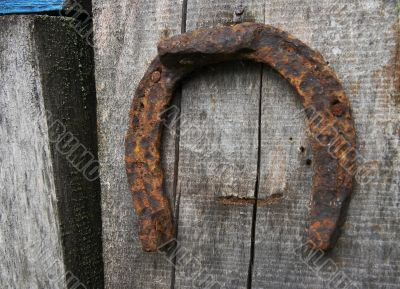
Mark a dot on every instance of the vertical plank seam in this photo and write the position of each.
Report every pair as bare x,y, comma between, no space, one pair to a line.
184,16
256,190
254,218
177,195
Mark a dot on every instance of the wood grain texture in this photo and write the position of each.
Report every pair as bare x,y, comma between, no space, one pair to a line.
66,68
218,153
51,209
360,39
126,34
31,253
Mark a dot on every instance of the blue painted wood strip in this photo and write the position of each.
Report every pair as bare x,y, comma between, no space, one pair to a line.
29,6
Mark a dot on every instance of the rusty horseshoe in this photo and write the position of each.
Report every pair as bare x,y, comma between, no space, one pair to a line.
327,111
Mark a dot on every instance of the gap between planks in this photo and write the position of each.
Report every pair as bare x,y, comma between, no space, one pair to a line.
176,196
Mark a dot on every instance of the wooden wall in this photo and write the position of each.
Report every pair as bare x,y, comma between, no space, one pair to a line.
240,137
234,116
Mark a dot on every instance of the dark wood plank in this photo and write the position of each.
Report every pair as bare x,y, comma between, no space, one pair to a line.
360,40
66,69
126,35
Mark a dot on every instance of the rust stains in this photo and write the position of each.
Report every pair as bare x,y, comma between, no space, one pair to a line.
327,109
273,199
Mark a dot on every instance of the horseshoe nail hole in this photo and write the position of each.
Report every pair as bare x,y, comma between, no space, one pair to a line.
135,121
289,49
338,109
308,162
291,139
302,149
327,62
155,76
144,143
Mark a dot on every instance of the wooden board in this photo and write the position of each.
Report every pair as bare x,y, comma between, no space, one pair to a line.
66,69
50,209
360,40
218,153
126,34
29,234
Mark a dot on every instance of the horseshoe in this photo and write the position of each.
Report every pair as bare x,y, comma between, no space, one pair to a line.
327,110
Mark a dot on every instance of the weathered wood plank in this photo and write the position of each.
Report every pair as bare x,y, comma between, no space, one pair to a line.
360,39
284,145
126,34
29,234
50,210
218,152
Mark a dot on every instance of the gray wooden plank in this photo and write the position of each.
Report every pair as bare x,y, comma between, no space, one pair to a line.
30,241
126,34
360,40
217,159
285,151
